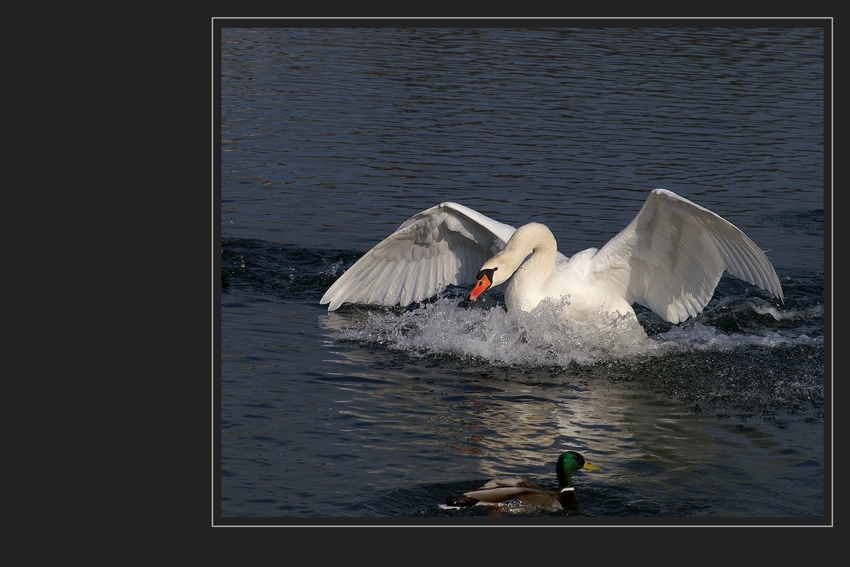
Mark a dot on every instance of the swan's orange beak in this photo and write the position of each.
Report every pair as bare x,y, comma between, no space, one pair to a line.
485,280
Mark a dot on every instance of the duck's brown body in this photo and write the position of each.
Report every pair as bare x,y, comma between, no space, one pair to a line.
501,490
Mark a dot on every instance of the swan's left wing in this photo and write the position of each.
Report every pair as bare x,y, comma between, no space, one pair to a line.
672,255
443,245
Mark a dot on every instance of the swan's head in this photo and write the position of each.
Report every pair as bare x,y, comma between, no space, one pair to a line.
490,275
501,267
485,280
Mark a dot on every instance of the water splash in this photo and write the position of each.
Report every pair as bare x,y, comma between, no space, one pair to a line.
540,338
448,327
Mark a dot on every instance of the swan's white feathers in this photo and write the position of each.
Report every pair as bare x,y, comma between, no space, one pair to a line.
444,245
669,258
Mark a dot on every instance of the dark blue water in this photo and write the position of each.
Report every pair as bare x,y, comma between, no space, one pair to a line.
331,138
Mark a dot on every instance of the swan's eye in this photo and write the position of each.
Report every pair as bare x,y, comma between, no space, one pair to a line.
488,273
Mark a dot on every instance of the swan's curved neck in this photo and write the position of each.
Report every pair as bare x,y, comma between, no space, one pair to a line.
538,239
528,274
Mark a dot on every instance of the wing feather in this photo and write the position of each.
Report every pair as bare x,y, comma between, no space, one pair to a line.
443,245
673,253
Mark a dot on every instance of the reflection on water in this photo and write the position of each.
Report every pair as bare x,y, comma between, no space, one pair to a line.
516,419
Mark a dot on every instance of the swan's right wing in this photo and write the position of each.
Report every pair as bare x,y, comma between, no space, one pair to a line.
441,246
672,255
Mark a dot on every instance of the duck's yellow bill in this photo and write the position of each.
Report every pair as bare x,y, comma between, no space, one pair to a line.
591,467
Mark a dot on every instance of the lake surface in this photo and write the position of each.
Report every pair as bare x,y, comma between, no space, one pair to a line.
332,137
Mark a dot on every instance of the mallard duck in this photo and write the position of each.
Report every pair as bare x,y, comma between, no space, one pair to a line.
500,490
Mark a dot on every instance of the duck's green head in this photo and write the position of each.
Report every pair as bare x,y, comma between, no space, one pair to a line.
568,463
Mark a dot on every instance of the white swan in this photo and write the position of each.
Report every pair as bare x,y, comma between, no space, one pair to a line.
669,259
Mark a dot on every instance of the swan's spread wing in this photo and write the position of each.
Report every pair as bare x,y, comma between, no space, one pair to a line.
440,246
671,256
